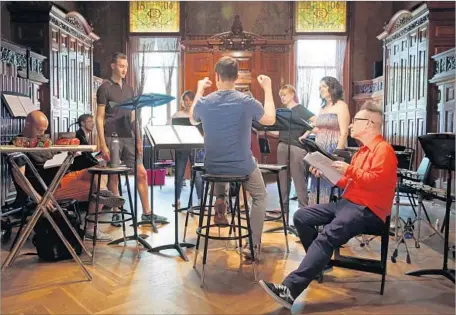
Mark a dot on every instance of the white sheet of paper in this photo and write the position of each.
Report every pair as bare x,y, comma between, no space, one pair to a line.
27,104
321,162
56,161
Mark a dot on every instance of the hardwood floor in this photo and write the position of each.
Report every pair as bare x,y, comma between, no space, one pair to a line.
165,284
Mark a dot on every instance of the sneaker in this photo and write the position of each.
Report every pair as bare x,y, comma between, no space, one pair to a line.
101,236
146,217
220,213
280,293
110,201
248,254
116,217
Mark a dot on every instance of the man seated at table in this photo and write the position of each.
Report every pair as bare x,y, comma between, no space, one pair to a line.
369,182
227,116
74,185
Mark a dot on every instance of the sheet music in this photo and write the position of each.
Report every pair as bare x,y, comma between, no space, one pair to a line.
168,135
15,105
56,161
321,162
27,104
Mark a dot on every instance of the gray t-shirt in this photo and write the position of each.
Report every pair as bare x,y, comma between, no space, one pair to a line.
227,122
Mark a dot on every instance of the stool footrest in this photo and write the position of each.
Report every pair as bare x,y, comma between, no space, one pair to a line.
91,217
360,264
221,238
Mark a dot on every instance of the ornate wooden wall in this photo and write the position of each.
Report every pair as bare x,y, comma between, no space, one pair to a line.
67,41
256,55
21,72
410,39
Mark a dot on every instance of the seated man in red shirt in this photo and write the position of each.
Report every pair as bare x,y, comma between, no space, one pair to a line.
369,183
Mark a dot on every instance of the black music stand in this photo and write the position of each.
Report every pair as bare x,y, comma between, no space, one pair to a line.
285,121
185,121
135,103
440,149
174,137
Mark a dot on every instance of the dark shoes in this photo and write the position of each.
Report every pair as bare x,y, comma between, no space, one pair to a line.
280,293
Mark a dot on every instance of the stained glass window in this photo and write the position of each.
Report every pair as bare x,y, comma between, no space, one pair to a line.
154,16
321,17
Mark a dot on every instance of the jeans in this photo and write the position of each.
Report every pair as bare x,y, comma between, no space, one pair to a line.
182,157
255,186
342,220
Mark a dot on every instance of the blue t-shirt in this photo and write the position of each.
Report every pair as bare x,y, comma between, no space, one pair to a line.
227,122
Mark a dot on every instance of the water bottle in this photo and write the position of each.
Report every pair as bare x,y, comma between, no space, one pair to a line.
115,151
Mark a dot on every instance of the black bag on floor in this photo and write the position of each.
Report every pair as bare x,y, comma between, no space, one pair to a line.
48,245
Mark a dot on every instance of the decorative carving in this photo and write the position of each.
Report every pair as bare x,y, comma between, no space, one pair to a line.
73,21
407,29
402,21
198,49
278,49
444,62
368,86
17,57
237,39
13,58
62,25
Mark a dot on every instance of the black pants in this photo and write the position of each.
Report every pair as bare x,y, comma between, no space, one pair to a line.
342,221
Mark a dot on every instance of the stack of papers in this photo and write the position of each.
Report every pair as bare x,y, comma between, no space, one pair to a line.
323,163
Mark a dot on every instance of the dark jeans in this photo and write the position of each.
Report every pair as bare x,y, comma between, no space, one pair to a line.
342,221
182,157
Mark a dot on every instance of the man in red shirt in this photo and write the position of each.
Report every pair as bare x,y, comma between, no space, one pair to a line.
369,183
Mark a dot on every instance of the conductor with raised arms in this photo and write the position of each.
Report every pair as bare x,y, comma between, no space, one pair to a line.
227,116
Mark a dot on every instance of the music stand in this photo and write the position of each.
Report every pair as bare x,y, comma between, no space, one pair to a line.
174,137
185,121
135,103
285,121
440,149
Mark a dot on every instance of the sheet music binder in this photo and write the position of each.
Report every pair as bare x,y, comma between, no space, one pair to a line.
174,137
19,105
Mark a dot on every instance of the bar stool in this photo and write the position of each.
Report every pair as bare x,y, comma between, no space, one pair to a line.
204,231
119,171
192,210
276,169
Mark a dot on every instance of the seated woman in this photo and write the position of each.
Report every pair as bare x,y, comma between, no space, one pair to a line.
182,156
74,185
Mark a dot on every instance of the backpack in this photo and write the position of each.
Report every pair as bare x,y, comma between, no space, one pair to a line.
49,246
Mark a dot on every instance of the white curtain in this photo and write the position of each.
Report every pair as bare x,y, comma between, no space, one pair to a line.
315,59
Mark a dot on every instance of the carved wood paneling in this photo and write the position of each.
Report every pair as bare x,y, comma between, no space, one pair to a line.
410,38
67,41
21,71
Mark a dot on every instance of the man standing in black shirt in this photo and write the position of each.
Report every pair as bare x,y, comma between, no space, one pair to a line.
112,119
297,154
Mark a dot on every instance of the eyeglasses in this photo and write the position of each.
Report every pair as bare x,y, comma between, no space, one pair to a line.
355,119
365,119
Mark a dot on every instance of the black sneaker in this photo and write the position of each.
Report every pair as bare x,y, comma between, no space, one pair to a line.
280,293
116,217
157,218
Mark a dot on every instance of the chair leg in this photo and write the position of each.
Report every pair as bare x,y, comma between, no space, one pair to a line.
206,238
23,221
201,218
283,214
